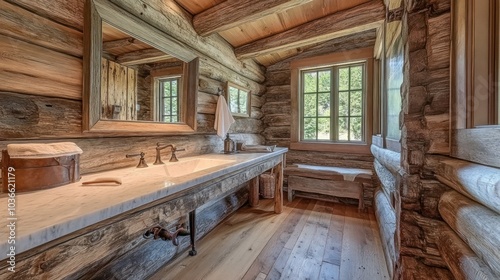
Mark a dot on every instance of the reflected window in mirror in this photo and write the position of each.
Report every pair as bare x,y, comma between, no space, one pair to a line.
238,99
169,99
124,62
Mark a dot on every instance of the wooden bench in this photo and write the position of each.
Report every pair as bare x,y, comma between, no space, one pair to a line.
328,180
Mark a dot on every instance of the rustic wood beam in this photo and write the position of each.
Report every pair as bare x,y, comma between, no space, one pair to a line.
229,14
363,17
142,56
120,43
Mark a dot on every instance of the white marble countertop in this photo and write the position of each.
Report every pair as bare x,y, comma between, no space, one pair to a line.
45,215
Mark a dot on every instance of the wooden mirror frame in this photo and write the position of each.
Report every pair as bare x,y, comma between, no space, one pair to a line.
249,98
95,12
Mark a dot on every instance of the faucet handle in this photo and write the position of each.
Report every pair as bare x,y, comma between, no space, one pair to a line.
142,162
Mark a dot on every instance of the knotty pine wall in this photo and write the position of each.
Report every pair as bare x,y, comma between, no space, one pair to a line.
41,81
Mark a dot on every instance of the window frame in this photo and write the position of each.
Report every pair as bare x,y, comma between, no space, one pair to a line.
474,133
341,58
161,97
334,101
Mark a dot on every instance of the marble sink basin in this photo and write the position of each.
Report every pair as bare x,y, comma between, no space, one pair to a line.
189,166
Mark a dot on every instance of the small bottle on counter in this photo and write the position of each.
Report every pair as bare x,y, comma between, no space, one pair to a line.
229,146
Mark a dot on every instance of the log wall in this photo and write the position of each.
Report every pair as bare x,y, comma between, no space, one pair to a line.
41,92
425,93
41,50
277,108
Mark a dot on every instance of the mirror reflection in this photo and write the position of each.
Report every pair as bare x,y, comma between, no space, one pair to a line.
138,82
238,99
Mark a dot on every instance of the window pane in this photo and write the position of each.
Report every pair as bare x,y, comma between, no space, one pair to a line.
166,89
324,105
310,105
233,100
344,78
174,88
166,108
174,106
243,101
310,82
356,103
356,129
344,103
324,80
309,129
343,129
356,77
324,128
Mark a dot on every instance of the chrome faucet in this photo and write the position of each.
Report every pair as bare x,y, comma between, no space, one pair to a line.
173,149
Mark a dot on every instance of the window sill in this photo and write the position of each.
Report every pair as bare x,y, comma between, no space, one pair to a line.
361,148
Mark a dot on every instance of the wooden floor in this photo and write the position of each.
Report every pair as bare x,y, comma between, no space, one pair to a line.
310,240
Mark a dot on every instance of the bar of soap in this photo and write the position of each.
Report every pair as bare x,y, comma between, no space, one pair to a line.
110,181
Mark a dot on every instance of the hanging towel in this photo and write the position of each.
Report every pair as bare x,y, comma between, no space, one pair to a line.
37,150
223,117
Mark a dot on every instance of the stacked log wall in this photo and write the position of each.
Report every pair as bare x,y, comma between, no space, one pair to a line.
277,109
425,121
41,92
41,49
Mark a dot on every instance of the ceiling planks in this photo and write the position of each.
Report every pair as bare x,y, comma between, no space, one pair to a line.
270,31
353,20
230,14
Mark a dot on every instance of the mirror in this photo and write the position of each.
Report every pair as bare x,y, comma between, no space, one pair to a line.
238,99
137,79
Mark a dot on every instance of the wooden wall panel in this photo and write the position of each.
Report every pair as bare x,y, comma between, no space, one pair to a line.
39,30
49,73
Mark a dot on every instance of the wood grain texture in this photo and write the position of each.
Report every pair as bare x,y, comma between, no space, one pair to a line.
66,12
29,116
58,261
24,63
461,260
332,26
387,223
227,15
176,22
477,145
359,247
253,196
475,224
39,30
478,182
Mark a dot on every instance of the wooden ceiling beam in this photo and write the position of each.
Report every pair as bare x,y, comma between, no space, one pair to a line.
120,43
229,14
363,17
141,56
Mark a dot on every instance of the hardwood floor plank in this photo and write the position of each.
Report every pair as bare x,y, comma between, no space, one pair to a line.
279,264
311,266
359,247
329,271
273,248
310,240
333,247
299,254
211,251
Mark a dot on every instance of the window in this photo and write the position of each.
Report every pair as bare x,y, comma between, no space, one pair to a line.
169,99
332,101
238,99
475,78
